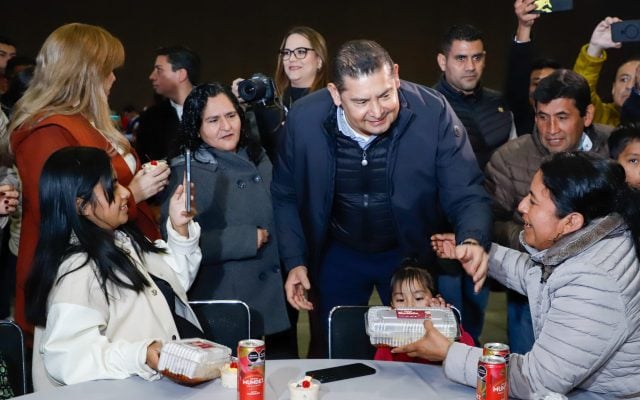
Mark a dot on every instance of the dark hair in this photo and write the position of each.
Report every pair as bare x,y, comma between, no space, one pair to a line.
182,57
192,119
566,84
358,58
68,176
541,63
17,86
593,186
464,32
7,41
411,270
621,137
15,62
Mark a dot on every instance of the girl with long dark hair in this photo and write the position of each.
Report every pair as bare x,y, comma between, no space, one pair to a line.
102,296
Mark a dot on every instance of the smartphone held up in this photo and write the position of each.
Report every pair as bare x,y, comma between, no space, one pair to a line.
549,6
187,186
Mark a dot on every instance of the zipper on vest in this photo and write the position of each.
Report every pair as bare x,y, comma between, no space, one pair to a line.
364,161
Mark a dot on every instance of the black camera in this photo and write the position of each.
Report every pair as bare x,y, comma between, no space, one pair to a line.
257,89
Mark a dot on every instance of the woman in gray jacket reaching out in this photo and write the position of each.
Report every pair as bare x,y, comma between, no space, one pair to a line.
581,274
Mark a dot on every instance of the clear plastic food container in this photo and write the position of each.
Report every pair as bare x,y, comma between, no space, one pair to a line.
391,327
191,361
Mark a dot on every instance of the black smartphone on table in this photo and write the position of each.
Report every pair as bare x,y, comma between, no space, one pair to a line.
626,31
549,6
342,372
187,188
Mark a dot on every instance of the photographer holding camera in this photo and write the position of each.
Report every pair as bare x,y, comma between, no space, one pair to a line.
301,69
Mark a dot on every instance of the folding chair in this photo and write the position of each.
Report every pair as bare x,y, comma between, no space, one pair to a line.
13,352
347,334
224,321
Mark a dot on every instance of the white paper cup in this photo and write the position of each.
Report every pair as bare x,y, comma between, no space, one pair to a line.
229,377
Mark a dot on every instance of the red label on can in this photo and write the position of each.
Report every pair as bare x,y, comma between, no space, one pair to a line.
492,381
251,363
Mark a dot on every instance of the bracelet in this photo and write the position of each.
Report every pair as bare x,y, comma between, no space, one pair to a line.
471,242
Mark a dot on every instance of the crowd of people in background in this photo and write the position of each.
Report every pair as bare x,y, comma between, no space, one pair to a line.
312,194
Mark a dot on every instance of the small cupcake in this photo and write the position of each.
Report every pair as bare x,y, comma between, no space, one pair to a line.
153,164
305,389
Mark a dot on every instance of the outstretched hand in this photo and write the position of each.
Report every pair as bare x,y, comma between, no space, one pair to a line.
472,256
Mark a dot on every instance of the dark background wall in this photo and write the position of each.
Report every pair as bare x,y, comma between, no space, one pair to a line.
237,38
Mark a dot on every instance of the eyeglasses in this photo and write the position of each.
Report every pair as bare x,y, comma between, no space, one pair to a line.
300,53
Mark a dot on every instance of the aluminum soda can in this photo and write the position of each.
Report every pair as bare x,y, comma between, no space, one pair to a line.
492,381
497,349
251,363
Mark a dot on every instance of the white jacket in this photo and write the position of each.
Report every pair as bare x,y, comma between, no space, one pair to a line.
87,338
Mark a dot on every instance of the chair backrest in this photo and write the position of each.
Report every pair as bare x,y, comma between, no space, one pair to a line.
13,353
347,334
224,321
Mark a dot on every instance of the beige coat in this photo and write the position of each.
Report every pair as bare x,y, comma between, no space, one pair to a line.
87,338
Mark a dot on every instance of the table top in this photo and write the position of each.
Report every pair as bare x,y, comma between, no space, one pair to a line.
392,380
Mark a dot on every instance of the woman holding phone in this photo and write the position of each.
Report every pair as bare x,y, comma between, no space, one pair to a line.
233,203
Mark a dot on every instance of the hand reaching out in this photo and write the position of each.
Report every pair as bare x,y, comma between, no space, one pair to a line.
472,256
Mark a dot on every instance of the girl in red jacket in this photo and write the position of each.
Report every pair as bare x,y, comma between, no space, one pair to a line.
412,286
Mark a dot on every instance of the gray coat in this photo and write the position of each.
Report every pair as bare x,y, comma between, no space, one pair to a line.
232,200
586,314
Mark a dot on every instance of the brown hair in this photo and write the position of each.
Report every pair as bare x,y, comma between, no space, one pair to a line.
319,45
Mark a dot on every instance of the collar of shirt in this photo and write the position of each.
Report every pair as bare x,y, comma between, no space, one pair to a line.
178,109
343,126
585,143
